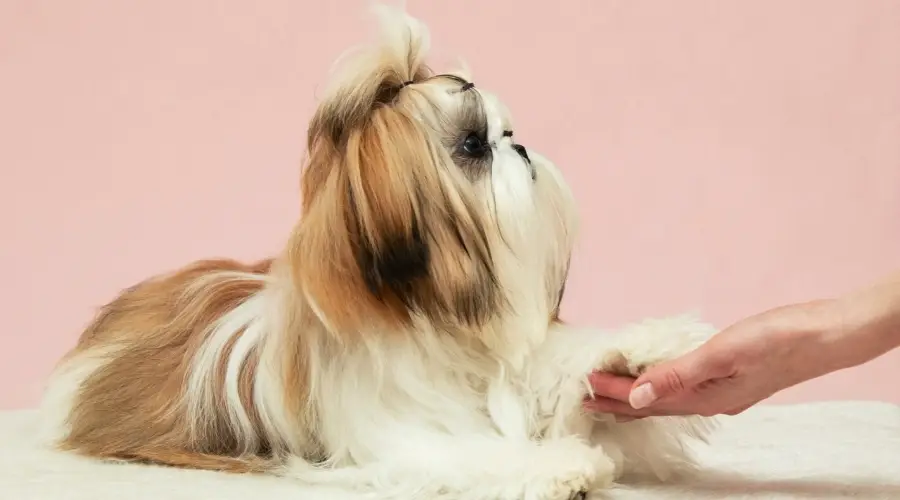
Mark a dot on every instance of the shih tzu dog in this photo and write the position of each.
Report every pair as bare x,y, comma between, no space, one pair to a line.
405,343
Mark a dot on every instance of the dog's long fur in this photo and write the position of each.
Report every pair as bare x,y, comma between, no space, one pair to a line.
406,341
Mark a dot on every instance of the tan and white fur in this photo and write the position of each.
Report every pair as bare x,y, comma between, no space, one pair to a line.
405,343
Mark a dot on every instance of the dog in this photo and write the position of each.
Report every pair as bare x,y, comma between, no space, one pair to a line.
406,342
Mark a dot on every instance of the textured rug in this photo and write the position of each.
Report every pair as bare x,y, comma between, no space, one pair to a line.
817,451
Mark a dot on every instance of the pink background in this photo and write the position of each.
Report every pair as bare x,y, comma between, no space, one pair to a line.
728,156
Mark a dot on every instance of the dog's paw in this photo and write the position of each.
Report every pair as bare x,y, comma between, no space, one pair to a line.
653,341
566,470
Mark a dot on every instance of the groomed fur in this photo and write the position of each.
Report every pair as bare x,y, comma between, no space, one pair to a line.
406,341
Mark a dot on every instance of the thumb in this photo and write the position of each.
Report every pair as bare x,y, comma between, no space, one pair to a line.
673,377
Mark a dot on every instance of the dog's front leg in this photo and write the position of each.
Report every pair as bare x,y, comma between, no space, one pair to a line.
475,467
655,446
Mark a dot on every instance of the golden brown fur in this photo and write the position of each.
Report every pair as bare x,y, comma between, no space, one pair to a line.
379,223
129,408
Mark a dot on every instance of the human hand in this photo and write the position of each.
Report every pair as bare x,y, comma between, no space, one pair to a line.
742,365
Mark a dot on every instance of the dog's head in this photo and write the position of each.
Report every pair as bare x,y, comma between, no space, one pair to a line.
420,204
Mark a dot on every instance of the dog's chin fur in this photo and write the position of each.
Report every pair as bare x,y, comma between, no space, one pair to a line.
407,340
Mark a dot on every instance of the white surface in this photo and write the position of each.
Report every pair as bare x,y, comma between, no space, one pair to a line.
816,451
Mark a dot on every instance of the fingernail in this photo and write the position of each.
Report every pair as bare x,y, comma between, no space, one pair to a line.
642,397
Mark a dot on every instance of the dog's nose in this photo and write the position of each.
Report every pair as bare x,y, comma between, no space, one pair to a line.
522,152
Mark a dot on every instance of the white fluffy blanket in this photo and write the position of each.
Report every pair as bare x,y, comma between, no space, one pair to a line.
814,451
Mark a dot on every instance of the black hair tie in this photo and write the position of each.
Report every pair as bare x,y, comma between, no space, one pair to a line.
468,86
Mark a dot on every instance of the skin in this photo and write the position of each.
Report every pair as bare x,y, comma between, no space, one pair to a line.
759,356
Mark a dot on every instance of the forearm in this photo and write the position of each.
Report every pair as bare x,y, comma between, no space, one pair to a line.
870,322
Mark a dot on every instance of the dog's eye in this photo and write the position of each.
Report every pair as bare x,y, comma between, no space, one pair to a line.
474,146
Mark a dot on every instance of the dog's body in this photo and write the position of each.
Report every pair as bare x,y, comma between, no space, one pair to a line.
407,340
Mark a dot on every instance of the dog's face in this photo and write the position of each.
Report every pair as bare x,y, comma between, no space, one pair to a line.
420,205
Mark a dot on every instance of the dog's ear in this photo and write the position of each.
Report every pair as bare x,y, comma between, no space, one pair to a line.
388,233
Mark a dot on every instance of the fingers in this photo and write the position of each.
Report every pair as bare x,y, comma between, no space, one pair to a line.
672,378
610,395
615,407
625,412
615,394
607,385
714,396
